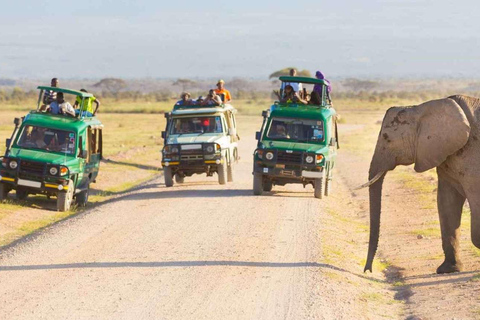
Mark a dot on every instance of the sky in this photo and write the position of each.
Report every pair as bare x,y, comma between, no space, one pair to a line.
226,39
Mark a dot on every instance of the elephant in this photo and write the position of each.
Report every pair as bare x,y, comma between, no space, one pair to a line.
442,134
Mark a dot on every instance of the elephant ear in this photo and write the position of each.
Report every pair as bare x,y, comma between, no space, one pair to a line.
443,130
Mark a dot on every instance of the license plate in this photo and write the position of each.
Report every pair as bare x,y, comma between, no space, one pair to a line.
28,183
288,172
191,146
280,166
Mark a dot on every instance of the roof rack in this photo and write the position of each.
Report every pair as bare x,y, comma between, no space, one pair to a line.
180,107
303,80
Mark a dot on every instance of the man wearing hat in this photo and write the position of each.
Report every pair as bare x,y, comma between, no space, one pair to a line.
222,91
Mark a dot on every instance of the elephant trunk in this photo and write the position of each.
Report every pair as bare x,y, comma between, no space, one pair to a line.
375,192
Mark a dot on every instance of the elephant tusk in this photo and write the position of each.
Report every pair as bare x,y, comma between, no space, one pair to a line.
372,181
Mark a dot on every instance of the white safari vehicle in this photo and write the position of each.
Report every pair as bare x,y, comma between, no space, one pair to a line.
200,139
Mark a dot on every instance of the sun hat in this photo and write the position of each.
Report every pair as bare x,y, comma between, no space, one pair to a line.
220,81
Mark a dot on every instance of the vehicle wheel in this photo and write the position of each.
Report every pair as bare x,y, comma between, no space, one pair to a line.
21,194
179,178
64,199
221,170
319,188
167,173
230,171
268,185
257,184
82,198
328,186
3,192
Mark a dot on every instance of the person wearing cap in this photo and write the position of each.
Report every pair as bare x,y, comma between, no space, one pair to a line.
88,108
222,91
186,100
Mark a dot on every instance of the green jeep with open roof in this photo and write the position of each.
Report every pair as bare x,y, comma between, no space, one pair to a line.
54,155
297,143
200,139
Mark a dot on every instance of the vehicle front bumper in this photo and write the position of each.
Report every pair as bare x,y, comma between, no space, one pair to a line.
297,173
13,182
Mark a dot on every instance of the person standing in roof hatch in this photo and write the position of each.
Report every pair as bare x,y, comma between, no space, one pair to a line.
222,92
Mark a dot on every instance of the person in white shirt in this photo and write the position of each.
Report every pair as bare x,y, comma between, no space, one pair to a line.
61,106
297,87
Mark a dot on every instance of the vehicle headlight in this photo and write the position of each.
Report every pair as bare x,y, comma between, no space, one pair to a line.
319,158
210,149
13,164
309,159
53,171
174,149
63,171
269,155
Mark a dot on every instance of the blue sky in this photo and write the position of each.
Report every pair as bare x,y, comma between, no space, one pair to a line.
203,39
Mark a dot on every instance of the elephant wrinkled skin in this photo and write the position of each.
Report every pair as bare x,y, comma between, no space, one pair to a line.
443,134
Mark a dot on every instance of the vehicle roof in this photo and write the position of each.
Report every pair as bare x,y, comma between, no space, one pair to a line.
68,91
187,110
302,80
301,111
60,122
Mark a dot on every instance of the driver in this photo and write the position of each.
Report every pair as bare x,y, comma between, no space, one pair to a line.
280,131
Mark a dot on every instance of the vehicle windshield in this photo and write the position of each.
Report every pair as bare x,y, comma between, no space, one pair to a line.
300,130
47,139
211,124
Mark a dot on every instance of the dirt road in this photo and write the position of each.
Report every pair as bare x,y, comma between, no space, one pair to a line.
205,251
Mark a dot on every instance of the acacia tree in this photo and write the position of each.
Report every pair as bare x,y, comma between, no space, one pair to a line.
184,83
113,85
286,72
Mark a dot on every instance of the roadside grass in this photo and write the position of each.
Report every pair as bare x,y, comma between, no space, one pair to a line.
476,277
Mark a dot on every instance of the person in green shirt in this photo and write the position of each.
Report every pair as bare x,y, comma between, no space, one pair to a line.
88,104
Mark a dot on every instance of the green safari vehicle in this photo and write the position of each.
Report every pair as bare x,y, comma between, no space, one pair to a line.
54,155
297,143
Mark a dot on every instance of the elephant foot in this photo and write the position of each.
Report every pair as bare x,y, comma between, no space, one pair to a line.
448,267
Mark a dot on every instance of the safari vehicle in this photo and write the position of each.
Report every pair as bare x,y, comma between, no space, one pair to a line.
200,139
54,155
297,143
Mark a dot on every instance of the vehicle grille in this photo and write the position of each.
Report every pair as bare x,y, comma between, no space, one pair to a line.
294,157
31,167
194,151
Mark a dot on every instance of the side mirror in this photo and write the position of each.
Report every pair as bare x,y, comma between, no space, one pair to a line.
265,113
258,135
84,154
7,143
164,134
232,132
167,115
17,121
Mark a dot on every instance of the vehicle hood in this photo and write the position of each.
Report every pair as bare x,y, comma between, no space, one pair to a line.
295,146
193,138
40,156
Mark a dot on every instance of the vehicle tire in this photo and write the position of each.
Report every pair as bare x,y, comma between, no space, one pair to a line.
222,172
3,192
21,194
64,199
268,185
167,173
328,186
81,199
318,188
230,171
257,184
179,178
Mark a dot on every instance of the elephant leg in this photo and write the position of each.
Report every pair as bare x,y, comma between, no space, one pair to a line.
450,204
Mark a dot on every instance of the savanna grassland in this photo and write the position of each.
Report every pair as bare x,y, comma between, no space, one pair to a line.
410,248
